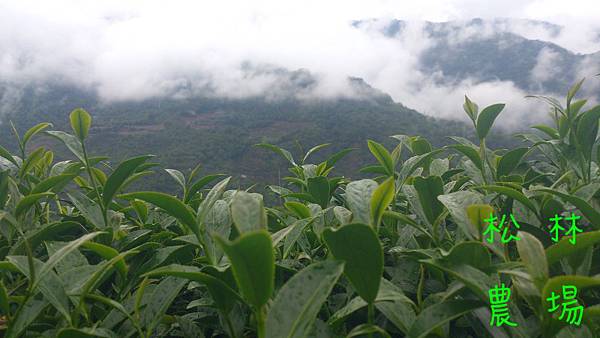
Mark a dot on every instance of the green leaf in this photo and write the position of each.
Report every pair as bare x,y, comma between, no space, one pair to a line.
253,263
298,302
318,188
587,131
298,209
564,248
223,295
160,300
477,213
71,142
486,118
248,211
440,313
510,161
211,198
200,184
107,253
367,329
26,202
382,155
555,284
457,203
470,152
358,199
53,183
88,208
586,209
314,149
64,251
286,154
33,131
32,159
81,121
381,199
512,193
533,256
87,332
119,176
471,109
553,133
6,154
170,205
358,245
429,189
4,303
29,312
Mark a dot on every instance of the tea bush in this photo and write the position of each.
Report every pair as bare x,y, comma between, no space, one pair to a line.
408,253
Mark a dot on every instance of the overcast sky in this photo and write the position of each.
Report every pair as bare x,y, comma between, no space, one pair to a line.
138,49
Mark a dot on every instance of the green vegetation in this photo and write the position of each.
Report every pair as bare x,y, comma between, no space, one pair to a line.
83,254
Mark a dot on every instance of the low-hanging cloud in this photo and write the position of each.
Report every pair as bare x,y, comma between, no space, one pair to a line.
126,50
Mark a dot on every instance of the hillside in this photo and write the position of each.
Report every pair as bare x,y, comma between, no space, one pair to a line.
220,133
489,50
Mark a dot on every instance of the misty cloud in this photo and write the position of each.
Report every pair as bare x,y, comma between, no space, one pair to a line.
129,50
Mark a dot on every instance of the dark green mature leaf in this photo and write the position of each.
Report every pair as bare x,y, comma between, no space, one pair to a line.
382,155
4,302
297,303
438,314
429,189
564,248
6,154
201,183
160,301
30,311
119,176
470,152
253,263
512,193
88,332
358,245
367,329
108,253
53,183
223,295
81,121
586,209
32,160
486,118
28,201
286,154
510,160
318,188
381,199
555,284
587,131
169,204
532,254
65,250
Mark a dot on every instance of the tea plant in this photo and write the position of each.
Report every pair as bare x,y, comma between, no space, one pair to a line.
407,253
